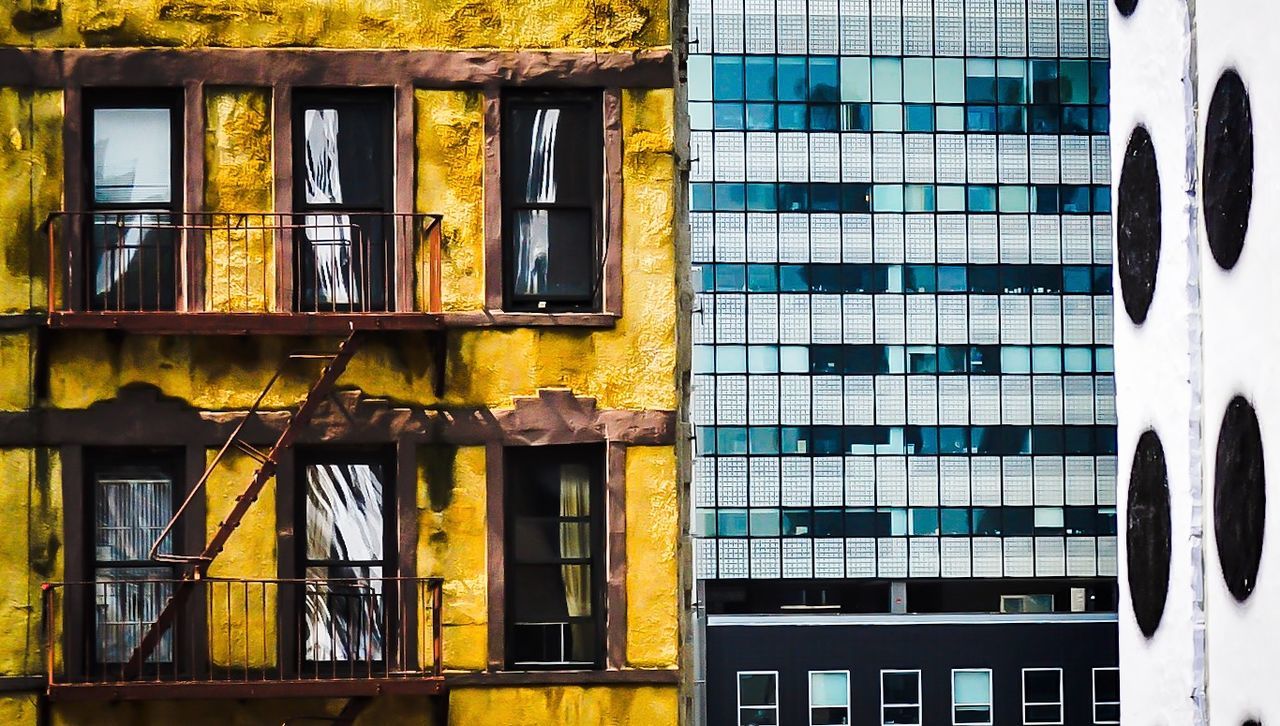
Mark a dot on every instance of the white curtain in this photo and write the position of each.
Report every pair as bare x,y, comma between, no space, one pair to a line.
330,234
575,542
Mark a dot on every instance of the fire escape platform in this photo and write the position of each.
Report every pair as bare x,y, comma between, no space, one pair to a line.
211,323
302,688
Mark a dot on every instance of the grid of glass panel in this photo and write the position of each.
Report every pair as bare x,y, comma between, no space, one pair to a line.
901,240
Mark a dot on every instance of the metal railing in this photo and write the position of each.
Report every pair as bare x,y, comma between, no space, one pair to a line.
259,632
243,262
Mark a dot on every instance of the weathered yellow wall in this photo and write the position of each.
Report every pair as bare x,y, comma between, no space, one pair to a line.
253,712
31,170
30,554
563,705
621,24
19,710
653,534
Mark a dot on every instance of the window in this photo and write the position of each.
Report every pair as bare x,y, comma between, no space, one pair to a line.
1026,603
1106,695
552,192
1041,696
555,556
900,698
828,698
345,546
758,698
971,696
133,499
342,178
135,191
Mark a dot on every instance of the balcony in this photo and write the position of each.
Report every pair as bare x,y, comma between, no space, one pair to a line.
244,272
332,638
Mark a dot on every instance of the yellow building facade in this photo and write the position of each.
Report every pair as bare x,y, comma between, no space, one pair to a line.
343,371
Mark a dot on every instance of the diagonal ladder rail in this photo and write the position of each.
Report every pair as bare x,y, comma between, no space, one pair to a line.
267,463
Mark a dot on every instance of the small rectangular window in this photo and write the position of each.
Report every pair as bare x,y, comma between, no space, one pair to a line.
828,698
758,698
552,198
971,701
900,698
1042,696
1106,695
1026,603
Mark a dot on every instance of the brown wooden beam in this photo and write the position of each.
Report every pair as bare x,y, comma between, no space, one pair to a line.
329,688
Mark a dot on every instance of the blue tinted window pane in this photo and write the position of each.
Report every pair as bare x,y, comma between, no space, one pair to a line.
764,440
1011,119
792,116
732,522
1044,82
982,199
760,117
1076,279
951,199
700,116
1075,119
824,117
730,197
731,440
1014,199
856,197
1044,119
953,440
728,78
703,278
1075,199
731,359
795,440
953,359
855,79
1074,76
1099,83
950,118
701,197
824,197
704,359
1046,360
824,83
955,521
795,359
917,79
855,117
980,81
762,79
762,278
699,78
1011,84
1045,199
797,522
764,523
919,198
948,80
761,198
729,116
1102,280
793,197
920,278
1077,360
762,359
919,118
980,118
1015,359
1105,360
987,522
1099,119
886,80
887,198
731,278
794,278
1102,200
952,278
792,83
924,522
886,117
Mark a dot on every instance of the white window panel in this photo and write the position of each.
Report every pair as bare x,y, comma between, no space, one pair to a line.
1050,557
858,319
1042,28
983,239
889,318
1015,319
762,156
828,481
765,392
954,481
951,156
886,27
1102,323
923,557
860,557
922,481
985,481
1076,166
1019,560
889,238
1080,481
704,481
729,156
797,476
948,27
703,401
855,236
1077,236
704,558
700,26
1011,28
731,481
1101,159
794,318
1017,481
1044,159
956,557
953,319
1077,393
828,400
859,401
1099,43
953,400
918,158
826,319
702,236
1046,242
984,400
762,237
766,558
730,317
922,319
759,24
728,26
1015,400
891,404
793,157
765,481
824,27
731,237
980,27
824,157
704,318
892,556
792,31
793,238
855,157
1013,153
1104,406
1048,474
1077,319
859,481
1015,239
702,151
988,557
952,239
762,318
1046,392
855,27
733,558
796,407
1102,239
891,481
1073,28
824,237
797,558
1106,557
1106,473
1046,319
886,158
1082,557
922,400
920,238
981,153
917,27
828,558
731,404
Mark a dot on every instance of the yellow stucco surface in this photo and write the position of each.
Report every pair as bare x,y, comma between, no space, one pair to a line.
30,554
653,533
19,710
31,167
552,705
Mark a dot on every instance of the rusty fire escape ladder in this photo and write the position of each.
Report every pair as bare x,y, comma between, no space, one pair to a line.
267,462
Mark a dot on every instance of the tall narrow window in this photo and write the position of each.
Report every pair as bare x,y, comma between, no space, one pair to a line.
133,499
828,698
758,698
1041,696
900,698
971,697
135,196
343,180
554,554
1106,695
552,191
344,560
